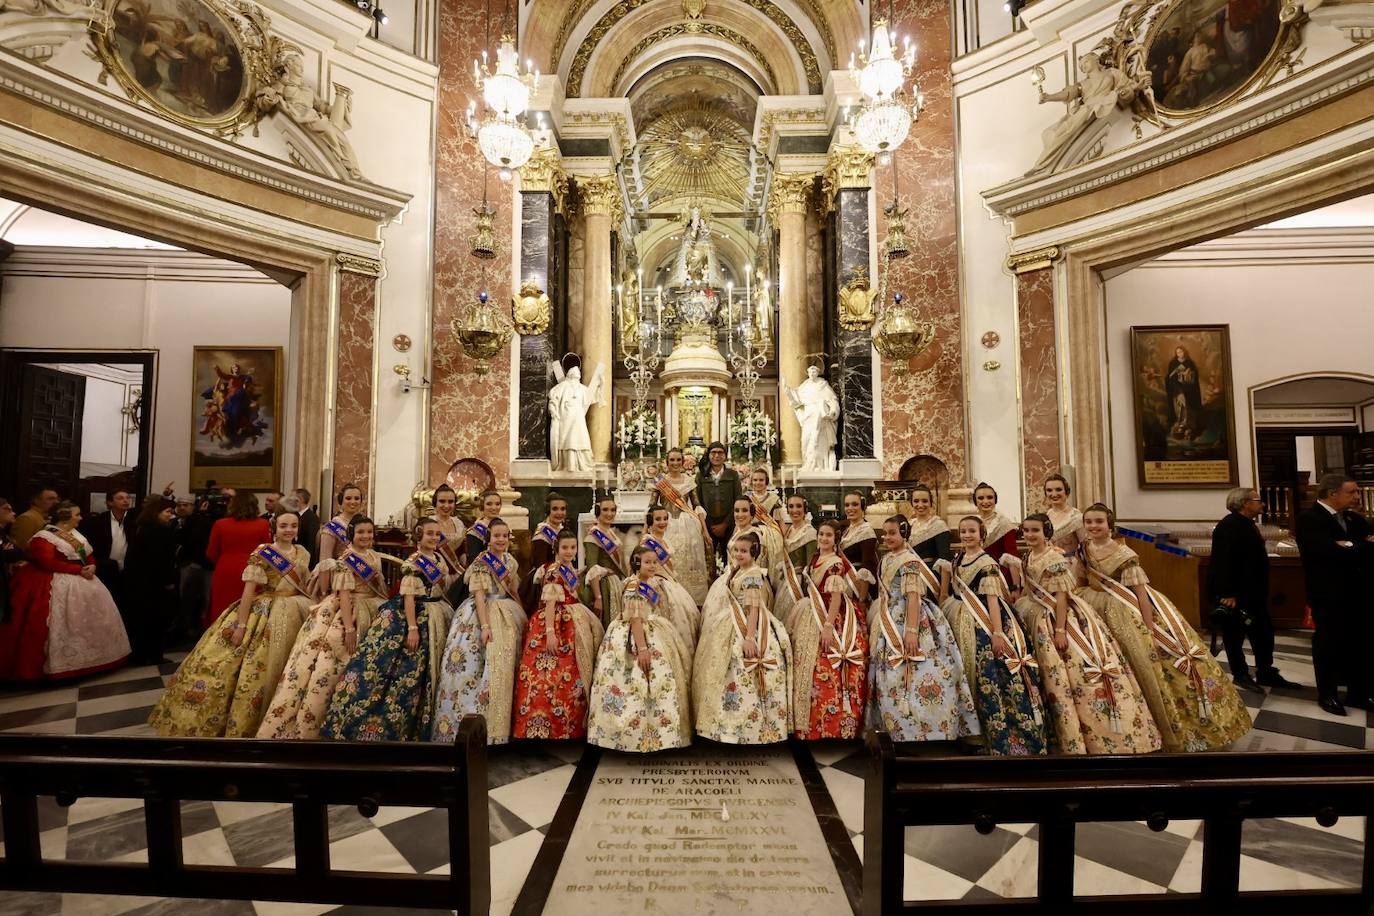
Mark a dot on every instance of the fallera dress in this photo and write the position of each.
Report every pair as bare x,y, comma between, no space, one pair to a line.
554,677
684,535
386,692
679,606
223,689
737,700
629,711
478,678
1006,691
1092,700
921,697
829,688
318,660
605,565
1194,703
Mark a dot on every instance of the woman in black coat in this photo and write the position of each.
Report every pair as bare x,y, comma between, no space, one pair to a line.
150,572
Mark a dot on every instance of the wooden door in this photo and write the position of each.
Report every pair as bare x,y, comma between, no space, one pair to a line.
50,405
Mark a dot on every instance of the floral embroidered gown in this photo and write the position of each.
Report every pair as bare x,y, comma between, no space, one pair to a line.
543,548
799,542
771,549
386,692
553,680
921,697
1006,691
1068,529
677,603
684,536
1092,699
476,677
930,539
605,572
221,689
1194,703
734,700
298,707
829,688
332,545
631,712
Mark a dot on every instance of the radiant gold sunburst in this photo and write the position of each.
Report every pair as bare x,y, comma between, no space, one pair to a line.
695,152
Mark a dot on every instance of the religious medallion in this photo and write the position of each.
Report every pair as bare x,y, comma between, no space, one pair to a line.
856,303
530,311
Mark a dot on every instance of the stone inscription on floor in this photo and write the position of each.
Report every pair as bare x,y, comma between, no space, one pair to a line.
703,831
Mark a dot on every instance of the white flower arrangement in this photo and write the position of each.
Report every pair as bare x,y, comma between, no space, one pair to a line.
753,436
640,433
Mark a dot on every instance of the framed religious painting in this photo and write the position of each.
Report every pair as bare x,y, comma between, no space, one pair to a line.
1202,54
236,435
1184,406
197,62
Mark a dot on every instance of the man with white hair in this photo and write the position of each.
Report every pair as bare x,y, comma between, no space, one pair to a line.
1238,577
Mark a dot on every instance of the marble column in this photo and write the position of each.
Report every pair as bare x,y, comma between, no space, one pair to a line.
788,200
846,189
353,395
1039,377
542,201
602,212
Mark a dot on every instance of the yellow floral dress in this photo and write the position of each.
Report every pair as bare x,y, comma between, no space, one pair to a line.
1194,704
1092,700
223,689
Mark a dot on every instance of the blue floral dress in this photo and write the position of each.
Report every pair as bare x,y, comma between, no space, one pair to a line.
922,697
387,692
1006,691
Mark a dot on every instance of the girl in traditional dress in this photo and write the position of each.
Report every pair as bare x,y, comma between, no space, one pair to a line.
452,531
1194,704
830,647
687,534
1000,539
1064,517
641,689
747,523
799,543
605,575
334,538
554,677
860,543
762,494
478,673
328,639
63,622
929,533
387,690
917,686
997,657
222,686
544,549
1091,697
741,676
677,604
479,534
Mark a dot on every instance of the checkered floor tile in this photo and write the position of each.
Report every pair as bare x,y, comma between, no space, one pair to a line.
527,783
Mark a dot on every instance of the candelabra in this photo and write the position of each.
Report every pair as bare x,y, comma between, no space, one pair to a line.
745,359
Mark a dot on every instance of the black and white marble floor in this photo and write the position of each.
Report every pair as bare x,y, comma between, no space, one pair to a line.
528,782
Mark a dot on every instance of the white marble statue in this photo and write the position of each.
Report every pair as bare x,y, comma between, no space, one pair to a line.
569,442
1100,90
291,95
818,411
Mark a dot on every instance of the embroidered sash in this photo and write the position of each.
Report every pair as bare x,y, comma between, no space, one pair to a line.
448,553
498,568
1021,660
569,577
762,514
546,533
660,550
1089,645
283,565
480,529
647,592
338,530
611,547
896,643
1169,633
428,568
765,662
365,571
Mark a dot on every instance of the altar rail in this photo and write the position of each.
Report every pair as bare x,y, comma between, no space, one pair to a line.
1057,793
308,775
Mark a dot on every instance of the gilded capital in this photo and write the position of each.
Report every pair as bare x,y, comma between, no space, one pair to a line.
1025,262
544,172
601,197
789,194
846,167
357,264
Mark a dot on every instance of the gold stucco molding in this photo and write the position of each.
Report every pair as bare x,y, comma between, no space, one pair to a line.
357,264
544,172
846,167
789,194
665,34
1024,262
600,196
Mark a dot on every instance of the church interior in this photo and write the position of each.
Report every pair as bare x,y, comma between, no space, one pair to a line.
698,435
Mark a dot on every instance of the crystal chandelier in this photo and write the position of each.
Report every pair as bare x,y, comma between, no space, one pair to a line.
881,126
880,73
504,143
505,90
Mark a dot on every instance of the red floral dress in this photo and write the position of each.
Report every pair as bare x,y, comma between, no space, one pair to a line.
838,677
554,677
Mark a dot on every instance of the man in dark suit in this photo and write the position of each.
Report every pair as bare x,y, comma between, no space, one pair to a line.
271,504
1238,577
110,533
1335,544
309,536
720,486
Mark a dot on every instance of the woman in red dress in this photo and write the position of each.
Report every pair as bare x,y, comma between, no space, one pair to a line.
63,622
232,540
830,646
554,678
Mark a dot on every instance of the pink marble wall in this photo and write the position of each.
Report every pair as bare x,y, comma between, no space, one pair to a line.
469,415
353,399
1039,382
923,412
